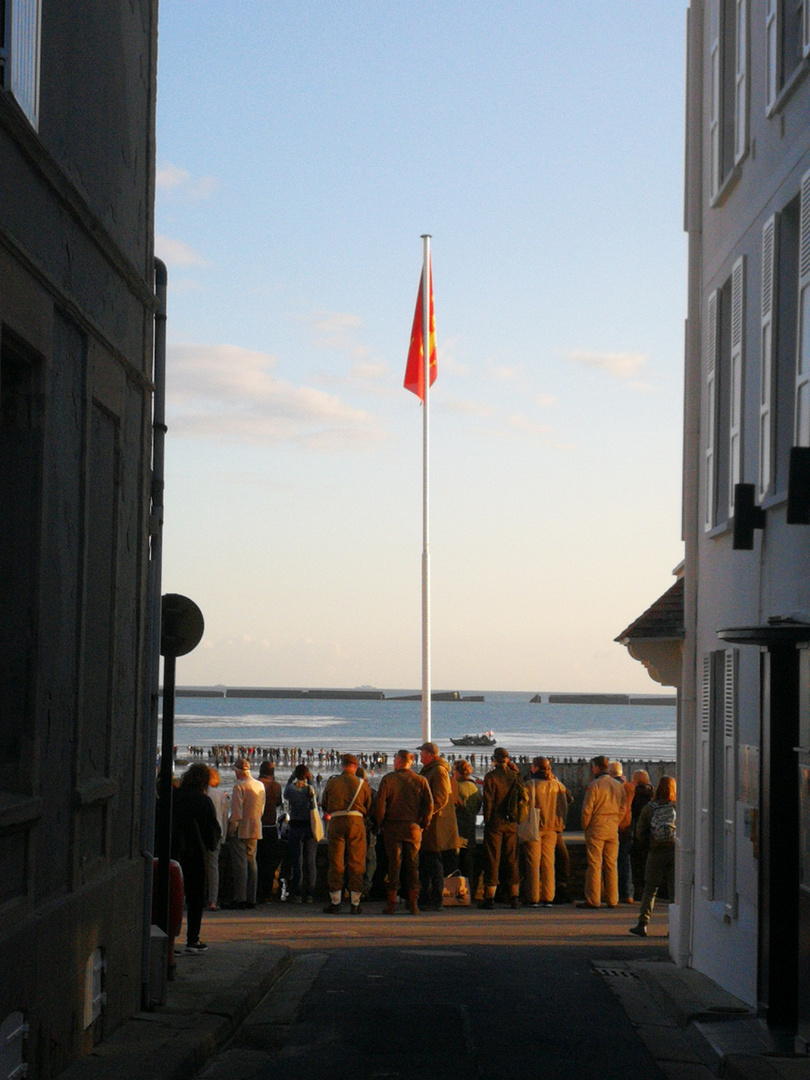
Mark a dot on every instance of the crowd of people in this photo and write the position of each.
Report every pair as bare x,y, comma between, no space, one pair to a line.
427,825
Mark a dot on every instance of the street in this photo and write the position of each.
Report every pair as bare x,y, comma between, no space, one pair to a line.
498,995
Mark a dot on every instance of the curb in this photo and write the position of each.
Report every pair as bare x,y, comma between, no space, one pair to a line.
202,1014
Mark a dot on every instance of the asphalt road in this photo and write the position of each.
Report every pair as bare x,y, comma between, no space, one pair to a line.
438,1010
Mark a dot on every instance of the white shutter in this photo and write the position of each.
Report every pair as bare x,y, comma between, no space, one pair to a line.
771,55
705,778
715,127
770,240
711,405
24,56
736,380
741,81
802,425
730,683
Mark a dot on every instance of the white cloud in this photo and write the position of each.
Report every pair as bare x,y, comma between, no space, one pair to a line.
225,392
338,331
465,407
177,252
171,180
519,422
546,400
506,372
621,365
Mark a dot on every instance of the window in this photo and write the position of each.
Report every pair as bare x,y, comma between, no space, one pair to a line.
786,33
725,368
20,28
718,777
728,121
778,330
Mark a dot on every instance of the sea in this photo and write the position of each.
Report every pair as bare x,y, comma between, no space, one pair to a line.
635,732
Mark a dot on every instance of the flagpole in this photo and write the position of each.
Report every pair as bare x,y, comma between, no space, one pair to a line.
426,691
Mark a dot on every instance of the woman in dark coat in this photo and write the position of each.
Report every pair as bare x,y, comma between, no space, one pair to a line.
195,830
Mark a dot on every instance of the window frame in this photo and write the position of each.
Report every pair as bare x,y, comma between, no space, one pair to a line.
768,325
20,54
729,93
779,81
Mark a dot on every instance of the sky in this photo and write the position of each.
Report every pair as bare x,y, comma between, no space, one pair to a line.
303,149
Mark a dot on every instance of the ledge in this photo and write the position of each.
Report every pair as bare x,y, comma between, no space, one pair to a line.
18,809
94,791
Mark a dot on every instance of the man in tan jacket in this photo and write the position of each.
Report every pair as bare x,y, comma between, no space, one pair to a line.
244,832
602,810
442,833
346,801
403,808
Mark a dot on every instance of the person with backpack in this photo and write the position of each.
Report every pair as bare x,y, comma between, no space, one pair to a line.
506,803
657,823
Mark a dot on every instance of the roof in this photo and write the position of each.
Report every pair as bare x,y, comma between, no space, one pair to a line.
662,620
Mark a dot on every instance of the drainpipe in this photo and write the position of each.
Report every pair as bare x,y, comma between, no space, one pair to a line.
681,947
149,777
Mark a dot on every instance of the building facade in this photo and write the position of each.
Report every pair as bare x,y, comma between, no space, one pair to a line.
742,914
77,311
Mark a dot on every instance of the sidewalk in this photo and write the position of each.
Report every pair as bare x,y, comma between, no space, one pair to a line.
693,1029
211,996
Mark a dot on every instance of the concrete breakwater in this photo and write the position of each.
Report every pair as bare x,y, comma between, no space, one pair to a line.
286,693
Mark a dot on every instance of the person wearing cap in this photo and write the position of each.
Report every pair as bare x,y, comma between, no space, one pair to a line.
442,833
602,809
346,801
244,831
403,809
500,834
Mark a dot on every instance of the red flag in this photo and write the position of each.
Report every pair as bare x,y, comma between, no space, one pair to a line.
415,369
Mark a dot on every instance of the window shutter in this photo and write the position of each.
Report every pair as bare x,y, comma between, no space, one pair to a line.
730,683
769,261
705,776
715,129
711,403
24,56
741,82
802,424
771,55
737,373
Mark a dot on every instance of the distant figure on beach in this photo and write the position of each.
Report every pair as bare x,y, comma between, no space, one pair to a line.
302,845
222,805
602,810
346,801
268,853
195,830
538,833
623,867
500,833
245,831
441,835
657,825
403,809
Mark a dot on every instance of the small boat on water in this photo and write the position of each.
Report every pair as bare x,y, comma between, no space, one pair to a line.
487,738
